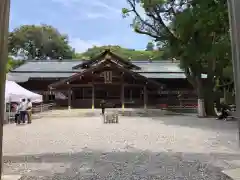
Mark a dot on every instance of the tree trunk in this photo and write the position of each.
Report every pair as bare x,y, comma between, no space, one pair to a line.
200,93
4,24
209,106
209,99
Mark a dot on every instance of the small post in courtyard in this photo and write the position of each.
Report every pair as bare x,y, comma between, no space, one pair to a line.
122,97
93,96
145,97
69,98
234,19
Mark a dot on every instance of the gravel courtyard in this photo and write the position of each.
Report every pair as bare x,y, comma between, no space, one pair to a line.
167,147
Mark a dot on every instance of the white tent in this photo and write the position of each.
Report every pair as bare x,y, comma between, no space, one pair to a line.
15,92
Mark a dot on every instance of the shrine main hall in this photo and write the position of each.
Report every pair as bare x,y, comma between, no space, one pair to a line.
121,83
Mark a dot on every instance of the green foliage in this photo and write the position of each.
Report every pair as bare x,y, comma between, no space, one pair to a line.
150,46
39,42
195,32
228,72
128,54
12,64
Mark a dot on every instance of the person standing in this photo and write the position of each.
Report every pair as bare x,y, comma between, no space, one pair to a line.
23,110
17,114
29,111
102,105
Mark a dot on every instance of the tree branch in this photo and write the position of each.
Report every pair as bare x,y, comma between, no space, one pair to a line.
157,18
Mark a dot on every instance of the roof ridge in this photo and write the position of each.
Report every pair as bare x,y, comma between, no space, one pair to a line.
55,60
147,72
81,60
43,71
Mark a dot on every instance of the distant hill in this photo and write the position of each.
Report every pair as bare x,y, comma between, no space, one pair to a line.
128,54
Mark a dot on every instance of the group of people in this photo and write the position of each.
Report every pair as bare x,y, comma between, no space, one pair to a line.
23,109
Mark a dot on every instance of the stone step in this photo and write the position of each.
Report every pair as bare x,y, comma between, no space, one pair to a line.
233,173
11,177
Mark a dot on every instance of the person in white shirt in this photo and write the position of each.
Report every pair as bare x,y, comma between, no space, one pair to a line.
23,110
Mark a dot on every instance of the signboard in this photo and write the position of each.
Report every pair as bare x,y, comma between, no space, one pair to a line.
107,77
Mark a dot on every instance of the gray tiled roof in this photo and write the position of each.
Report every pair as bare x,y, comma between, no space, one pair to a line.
166,75
61,66
23,77
48,66
62,69
159,67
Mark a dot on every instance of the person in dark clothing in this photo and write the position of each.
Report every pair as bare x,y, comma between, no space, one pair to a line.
17,114
224,111
29,111
103,105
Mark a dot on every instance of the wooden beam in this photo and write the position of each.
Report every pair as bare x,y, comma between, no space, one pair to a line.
145,97
122,96
93,97
69,98
80,85
4,24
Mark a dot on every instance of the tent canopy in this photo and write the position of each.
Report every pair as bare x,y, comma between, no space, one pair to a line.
15,92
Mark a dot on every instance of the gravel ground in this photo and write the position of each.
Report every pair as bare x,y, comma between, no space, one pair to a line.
167,147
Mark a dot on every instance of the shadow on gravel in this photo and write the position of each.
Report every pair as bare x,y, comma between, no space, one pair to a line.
90,164
201,123
148,113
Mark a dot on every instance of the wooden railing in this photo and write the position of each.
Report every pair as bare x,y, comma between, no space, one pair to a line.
43,107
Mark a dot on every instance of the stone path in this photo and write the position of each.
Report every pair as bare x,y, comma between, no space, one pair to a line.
167,147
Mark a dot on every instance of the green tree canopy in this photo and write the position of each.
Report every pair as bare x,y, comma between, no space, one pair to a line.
13,64
150,46
39,42
194,32
128,54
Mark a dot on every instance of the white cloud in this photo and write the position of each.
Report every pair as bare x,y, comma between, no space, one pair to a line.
66,2
82,45
96,16
100,3
106,11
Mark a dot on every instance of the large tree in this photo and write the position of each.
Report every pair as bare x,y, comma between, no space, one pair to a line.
195,32
39,42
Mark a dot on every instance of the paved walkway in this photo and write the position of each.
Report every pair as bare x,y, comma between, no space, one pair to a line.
163,147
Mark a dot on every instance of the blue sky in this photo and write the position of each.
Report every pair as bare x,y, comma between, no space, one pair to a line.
87,22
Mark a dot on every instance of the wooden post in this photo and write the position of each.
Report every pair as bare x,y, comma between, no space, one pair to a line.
145,97
69,98
122,96
93,97
4,24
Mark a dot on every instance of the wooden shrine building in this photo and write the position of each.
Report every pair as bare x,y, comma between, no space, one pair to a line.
121,83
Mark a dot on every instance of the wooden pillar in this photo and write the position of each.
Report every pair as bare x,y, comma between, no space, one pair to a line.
93,96
73,99
4,24
69,98
145,97
122,96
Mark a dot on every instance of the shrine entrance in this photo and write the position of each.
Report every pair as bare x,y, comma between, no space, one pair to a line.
110,93
107,78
